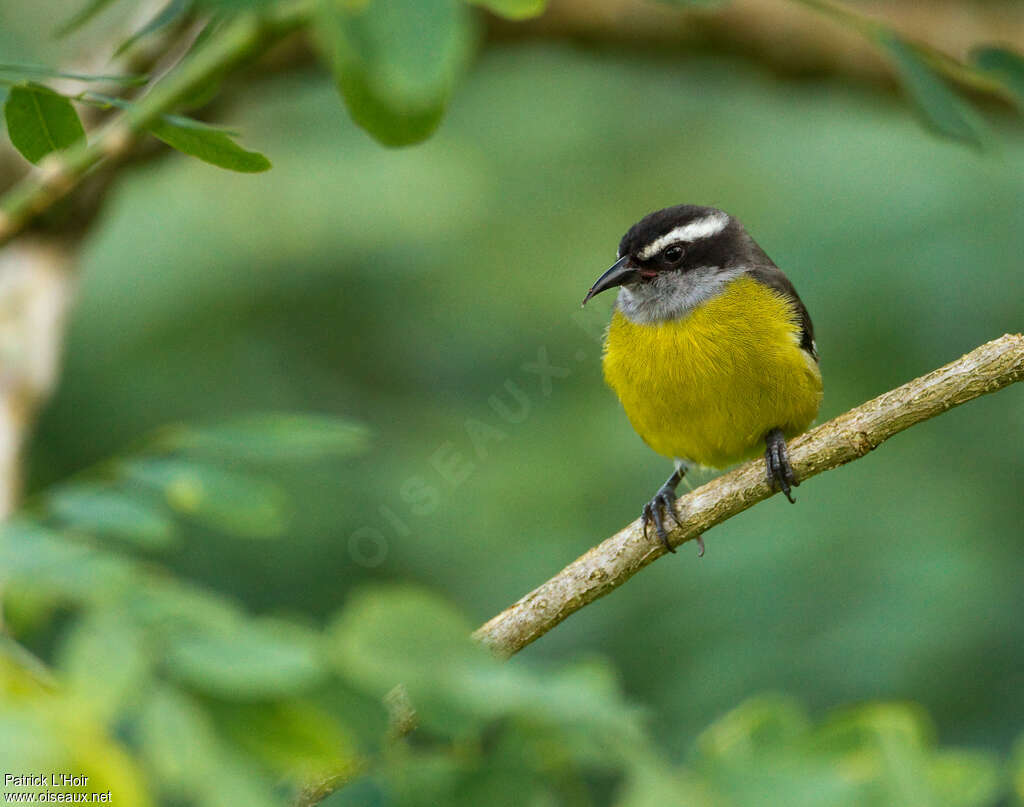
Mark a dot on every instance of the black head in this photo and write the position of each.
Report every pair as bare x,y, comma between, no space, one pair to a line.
676,239
680,236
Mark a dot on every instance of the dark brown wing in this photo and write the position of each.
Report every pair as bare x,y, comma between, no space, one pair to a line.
768,273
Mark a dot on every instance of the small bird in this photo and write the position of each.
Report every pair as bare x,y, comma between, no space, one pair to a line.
710,349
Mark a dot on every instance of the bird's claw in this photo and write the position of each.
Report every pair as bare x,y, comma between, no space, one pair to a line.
657,510
779,471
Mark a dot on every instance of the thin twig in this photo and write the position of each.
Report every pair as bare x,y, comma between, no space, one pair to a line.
848,437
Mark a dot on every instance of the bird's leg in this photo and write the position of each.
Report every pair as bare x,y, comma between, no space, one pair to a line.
776,459
661,506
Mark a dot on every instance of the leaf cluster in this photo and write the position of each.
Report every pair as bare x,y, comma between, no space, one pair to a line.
42,121
165,692
161,690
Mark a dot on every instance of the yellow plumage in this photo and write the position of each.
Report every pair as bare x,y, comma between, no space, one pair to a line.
708,386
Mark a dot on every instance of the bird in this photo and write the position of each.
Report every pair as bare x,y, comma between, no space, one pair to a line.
710,349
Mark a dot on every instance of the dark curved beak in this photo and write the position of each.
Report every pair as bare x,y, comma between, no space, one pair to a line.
622,271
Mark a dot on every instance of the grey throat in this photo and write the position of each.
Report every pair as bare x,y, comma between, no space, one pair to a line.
673,295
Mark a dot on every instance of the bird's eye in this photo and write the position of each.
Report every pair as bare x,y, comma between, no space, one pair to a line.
673,254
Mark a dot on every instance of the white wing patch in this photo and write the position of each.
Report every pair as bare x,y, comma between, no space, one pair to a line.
701,228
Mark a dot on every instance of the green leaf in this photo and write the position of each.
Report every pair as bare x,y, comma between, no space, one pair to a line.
197,99
388,635
37,71
939,105
965,779
272,437
168,14
191,764
80,18
183,122
52,566
877,724
40,122
513,9
396,61
762,723
1017,769
293,738
106,101
18,663
252,660
652,783
105,662
178,742
1003,64
101,510
765,750
167,607
56,732
213,147
237,504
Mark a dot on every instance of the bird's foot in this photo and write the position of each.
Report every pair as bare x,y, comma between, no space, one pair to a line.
779,471
657,511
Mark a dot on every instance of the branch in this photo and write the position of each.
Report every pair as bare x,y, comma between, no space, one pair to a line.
245,37
37,271
848,437
35,289
939,61
791,36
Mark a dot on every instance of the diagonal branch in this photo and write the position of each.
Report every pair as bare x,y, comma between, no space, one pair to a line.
848,437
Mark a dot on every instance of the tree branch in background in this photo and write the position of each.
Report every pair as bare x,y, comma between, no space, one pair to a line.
793,36
35,289
848,437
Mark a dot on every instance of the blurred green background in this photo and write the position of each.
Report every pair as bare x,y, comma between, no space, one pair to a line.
403,289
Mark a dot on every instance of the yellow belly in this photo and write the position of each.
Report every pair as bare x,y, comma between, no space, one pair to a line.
709,386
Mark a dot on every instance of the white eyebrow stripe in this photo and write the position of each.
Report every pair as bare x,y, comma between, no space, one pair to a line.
701,228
